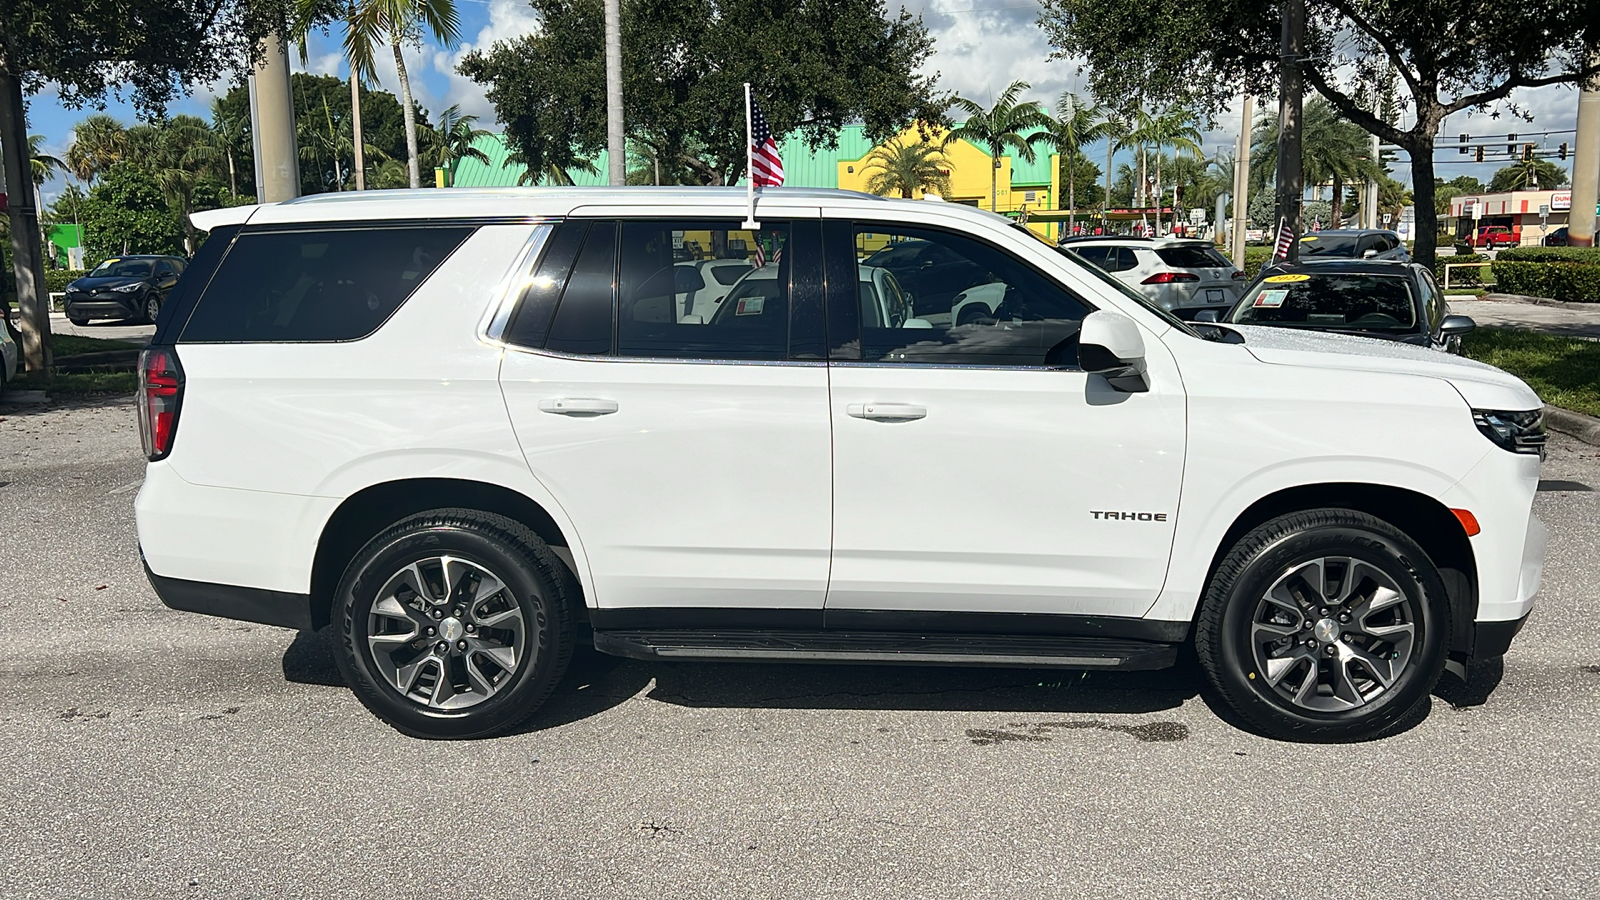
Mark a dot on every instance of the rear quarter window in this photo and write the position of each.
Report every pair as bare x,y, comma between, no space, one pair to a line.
316,285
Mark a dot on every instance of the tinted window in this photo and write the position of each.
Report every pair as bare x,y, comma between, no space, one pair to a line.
531,323
122,268
164,268
1342,246
583,320
1104,257
1347,302
973,305
728,275
1194,257
328,285
667,307
1437,308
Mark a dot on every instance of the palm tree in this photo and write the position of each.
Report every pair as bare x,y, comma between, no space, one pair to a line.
395,21
1332,149
1074,125
42,167
1173,128
560,176
451,140
307,15
98,143
905,169
999,127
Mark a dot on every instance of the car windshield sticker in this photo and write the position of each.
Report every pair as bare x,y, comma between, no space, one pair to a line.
750,306
1309,237
1286,279
1271,298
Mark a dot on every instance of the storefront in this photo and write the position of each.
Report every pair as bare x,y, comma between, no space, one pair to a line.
1531,215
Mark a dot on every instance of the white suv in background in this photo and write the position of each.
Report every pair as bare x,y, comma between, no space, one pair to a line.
470,429
1182,276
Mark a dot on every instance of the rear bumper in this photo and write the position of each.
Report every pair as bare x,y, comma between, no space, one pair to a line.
1493,639
228,601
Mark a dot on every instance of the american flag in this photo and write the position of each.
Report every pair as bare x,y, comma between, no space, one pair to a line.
766,168
1285,238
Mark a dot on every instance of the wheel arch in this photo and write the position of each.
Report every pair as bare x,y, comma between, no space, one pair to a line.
371,509
1421,517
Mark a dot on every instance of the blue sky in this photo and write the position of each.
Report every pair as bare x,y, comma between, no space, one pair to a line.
980,47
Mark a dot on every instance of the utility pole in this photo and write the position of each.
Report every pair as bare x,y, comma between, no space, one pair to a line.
1290,95
1241,182
26,253
272,124
355,130
616,148
1586,165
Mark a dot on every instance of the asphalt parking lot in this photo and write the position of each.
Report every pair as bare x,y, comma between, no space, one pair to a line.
150,753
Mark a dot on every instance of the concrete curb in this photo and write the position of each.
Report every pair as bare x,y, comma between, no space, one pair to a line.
1584,428
14,396
1540,301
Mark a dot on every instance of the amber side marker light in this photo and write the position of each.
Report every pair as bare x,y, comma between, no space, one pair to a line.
1468,521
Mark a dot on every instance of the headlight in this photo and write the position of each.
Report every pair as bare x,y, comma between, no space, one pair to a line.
128,288
1518,432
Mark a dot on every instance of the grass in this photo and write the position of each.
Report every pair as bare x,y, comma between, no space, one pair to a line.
72,345
1564,371
1465,292
101,382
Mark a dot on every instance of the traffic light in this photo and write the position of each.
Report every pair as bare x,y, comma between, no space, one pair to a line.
1562,153
1480,154
1464,148
1527,152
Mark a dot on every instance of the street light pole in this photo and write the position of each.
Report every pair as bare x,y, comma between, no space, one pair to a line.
1241,183
1291,91
616,149
1586,165
272,115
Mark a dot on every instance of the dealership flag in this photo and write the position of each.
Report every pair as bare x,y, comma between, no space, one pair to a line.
764,168
1285,238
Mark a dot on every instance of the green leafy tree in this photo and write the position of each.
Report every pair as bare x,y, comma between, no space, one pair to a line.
1448,56
903,170
98,143
1529,175
1074,124
1009,124
397,22
126,212
450,140
814,67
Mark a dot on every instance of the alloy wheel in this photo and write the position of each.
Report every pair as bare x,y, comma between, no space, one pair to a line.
1333,634
447,633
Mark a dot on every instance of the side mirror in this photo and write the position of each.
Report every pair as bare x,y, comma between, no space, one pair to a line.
1109,345
917,323
1369,254
1208,315
1455,326
692,319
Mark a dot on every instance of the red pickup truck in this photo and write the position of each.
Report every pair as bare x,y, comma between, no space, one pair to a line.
1490,237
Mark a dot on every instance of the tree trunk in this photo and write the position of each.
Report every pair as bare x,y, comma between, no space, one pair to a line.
1426,223
1105,205
233,179
26,255
994,179
1072,198
410,109
1338,202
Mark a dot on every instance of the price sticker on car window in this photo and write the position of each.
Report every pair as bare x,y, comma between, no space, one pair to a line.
750,306
1287,279
1271,299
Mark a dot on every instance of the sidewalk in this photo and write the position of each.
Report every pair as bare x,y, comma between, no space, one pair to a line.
1574,319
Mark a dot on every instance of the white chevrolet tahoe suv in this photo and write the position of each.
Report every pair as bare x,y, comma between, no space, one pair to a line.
469,429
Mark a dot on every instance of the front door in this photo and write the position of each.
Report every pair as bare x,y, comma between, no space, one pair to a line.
691,452
977,469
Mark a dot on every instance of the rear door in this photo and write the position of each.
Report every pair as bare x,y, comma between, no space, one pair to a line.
692,456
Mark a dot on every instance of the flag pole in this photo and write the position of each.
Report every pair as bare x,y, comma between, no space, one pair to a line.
750,223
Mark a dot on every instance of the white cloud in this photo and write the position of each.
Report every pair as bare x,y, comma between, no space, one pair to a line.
507,19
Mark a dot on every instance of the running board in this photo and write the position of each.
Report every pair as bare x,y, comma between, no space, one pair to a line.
1016,651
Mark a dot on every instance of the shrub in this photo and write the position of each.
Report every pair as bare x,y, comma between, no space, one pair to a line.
1590,255
1460,277
56,280
1570,281
1255,258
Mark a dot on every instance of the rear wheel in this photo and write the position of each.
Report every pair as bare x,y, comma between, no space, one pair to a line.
454,623
152,308
1325,625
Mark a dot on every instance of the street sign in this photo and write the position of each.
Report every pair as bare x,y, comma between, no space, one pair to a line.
1197,216
1386,218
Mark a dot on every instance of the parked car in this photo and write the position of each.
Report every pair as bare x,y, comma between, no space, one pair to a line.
123,287
9,351
466,430
1380,299
1557,238
1491,237
716,278
928,272
1179,275
1353,243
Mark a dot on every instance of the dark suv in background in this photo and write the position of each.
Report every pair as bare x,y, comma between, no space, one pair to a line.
123,288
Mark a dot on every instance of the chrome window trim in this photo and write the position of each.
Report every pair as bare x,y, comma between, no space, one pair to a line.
492,325
609,358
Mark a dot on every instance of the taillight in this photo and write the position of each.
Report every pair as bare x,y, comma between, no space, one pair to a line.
1238,276
160,395
1171,277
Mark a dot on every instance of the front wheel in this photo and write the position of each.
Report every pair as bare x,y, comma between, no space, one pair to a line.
454,623
152,308
1325,625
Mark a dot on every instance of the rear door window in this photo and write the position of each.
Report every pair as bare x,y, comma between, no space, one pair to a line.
318,285
1195,257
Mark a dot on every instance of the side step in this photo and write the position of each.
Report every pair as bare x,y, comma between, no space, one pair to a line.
1017,651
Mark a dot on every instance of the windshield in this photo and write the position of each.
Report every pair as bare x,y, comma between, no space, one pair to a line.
1339,245
1105,279
1341,302
122,268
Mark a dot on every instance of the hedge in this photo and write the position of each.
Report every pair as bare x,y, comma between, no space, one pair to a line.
1589,255
56,280
1255,258
1570,281
1460,277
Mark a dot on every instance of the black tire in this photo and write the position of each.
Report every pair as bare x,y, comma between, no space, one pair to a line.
78,322
152,308
1238,620
537,585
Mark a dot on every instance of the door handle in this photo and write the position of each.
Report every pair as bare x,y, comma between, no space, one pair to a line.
578,406
886,412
